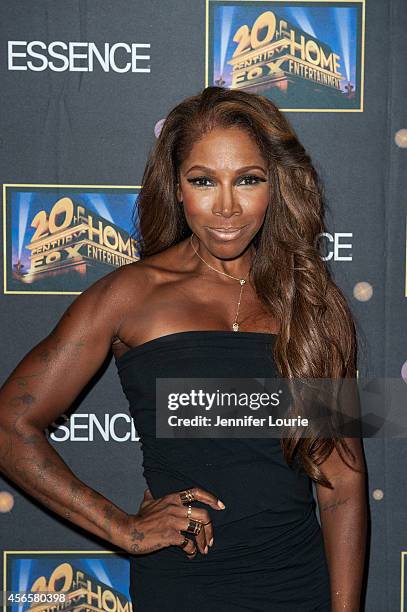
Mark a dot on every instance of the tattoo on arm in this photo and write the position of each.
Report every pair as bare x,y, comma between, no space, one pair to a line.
334,506
28,464
21,404
108,513
23,380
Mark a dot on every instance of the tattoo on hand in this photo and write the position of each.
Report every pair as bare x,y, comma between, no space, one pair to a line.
137,535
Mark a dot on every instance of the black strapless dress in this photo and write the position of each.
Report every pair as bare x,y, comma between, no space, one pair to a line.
268,552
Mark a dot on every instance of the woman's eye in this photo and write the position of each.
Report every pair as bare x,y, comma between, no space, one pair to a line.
252,179
200,181
249,179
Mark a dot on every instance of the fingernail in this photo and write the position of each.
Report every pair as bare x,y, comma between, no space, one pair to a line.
211,542
221,504
206,550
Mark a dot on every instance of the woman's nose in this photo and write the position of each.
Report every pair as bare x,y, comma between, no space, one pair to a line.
226,202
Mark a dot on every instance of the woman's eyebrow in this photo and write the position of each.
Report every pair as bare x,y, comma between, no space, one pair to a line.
212,171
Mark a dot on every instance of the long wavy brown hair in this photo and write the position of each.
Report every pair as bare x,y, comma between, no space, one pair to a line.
317,337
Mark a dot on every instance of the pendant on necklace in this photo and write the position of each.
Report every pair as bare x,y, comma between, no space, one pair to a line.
235,326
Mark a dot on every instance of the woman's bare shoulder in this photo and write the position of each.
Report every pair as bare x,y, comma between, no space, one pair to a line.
135,281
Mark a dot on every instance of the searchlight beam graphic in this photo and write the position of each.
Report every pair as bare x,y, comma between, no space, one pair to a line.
343,25
300,16
24,202
227,16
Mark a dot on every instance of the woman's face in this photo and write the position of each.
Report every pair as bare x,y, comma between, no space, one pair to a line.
223,184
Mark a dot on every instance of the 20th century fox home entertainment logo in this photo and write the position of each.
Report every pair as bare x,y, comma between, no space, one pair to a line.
47,581
305,56
61,239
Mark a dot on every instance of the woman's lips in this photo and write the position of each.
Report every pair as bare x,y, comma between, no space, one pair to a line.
223,234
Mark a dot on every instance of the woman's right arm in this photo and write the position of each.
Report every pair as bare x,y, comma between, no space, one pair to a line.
42,386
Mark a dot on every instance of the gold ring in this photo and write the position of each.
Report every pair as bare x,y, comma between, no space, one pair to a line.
185,542
187,496
194,526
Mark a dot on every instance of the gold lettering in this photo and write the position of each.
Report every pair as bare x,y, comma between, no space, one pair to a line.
294,45
271,38
64,207
274,67
310,48
53,257
125,608
326,62
238,76
61,571
91,595
73,251
336,63
93,230
265,20
242,38
80,212
40,222
124,247
36,262
283,26
254,73
109,597
110,232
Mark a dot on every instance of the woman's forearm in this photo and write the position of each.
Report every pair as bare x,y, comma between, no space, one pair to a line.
343,515
29,460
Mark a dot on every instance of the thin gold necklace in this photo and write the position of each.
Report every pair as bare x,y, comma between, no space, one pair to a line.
242,281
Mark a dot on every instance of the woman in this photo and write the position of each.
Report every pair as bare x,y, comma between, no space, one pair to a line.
229,195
